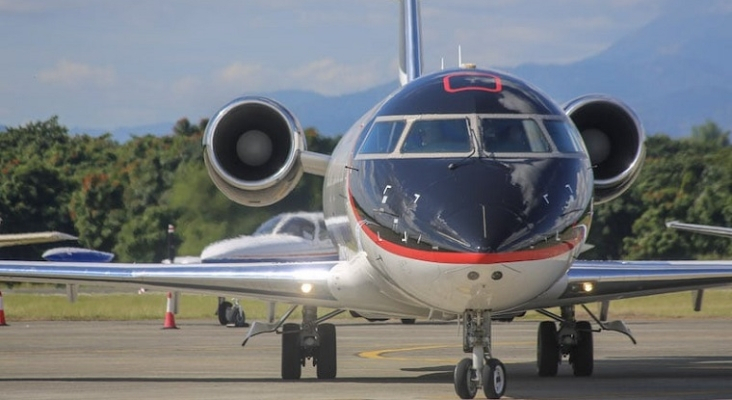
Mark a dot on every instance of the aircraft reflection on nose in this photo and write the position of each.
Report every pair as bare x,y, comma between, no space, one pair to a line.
483,206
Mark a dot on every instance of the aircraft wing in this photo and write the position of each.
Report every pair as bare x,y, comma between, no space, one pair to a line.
703,229
592,281
302,282
15,239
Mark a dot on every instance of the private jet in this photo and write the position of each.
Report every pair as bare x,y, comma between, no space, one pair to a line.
465,195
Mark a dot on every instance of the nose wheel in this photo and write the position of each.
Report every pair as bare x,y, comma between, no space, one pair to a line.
480,371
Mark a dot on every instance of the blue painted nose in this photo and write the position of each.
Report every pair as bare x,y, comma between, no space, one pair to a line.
476,205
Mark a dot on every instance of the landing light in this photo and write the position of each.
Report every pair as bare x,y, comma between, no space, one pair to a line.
306,288
588,287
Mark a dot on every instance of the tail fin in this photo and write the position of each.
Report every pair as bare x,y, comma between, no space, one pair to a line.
410,42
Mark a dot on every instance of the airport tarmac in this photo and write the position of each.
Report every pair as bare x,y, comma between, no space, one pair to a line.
685,359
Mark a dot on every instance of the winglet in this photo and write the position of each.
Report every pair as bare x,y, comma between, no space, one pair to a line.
410,42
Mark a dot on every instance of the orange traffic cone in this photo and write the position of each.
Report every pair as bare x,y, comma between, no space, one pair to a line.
2,311
169,317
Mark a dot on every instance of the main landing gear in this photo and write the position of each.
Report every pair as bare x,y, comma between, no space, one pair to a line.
480,371
312,340
572,340
309,341
231,314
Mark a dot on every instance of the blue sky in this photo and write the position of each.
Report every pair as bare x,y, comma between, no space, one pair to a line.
106,64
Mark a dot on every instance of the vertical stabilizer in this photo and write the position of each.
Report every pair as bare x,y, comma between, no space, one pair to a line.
410,42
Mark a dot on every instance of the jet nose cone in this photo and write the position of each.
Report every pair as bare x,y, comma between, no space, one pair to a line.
480,206
484,227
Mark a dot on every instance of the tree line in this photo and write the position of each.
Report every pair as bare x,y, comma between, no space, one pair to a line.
121,197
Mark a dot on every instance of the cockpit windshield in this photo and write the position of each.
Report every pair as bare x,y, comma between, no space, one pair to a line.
496,135
512,135
382,137
438,136
564,135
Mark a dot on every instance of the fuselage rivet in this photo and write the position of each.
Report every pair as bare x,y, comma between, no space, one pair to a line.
497,275
472,275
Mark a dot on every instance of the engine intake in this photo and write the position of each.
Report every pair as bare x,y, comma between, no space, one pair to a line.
614,138
252,151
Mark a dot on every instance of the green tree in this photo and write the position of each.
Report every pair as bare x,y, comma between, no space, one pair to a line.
709,135
144,238
98,211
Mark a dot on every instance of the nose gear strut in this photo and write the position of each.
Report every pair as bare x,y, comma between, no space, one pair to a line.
480,371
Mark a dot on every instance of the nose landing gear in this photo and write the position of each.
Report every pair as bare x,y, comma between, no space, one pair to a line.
480,371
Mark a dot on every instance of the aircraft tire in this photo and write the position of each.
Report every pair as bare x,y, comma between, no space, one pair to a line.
327,354
223,312
291,354
465,386
494,379
547,349
582,355
408,321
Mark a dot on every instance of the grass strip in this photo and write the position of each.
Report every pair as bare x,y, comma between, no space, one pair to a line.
24,306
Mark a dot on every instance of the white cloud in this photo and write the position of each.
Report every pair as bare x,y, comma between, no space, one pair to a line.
325,76
72,74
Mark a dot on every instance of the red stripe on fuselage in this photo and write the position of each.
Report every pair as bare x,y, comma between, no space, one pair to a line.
449,257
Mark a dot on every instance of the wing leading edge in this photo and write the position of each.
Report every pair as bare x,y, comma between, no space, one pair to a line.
17,239
301,282
593,281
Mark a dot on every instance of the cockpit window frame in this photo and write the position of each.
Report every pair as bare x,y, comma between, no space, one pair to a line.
407,135
475,135
575,137
548,145
378,121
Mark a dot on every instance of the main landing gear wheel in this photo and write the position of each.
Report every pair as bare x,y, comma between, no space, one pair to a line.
547,349
582,355
231,314
494,379
223,311
326,363
465,379
291,354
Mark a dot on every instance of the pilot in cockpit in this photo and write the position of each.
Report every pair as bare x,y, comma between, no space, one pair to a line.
430,136
424,137
504,136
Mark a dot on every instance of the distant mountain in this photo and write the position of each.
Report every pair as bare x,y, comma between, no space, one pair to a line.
331,115
675,73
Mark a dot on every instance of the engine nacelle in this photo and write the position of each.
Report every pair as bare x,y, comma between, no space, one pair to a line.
252,151
614,138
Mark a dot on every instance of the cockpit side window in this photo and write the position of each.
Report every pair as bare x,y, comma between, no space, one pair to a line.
564,136
382,137
268,226
438,136
512,135
299,227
